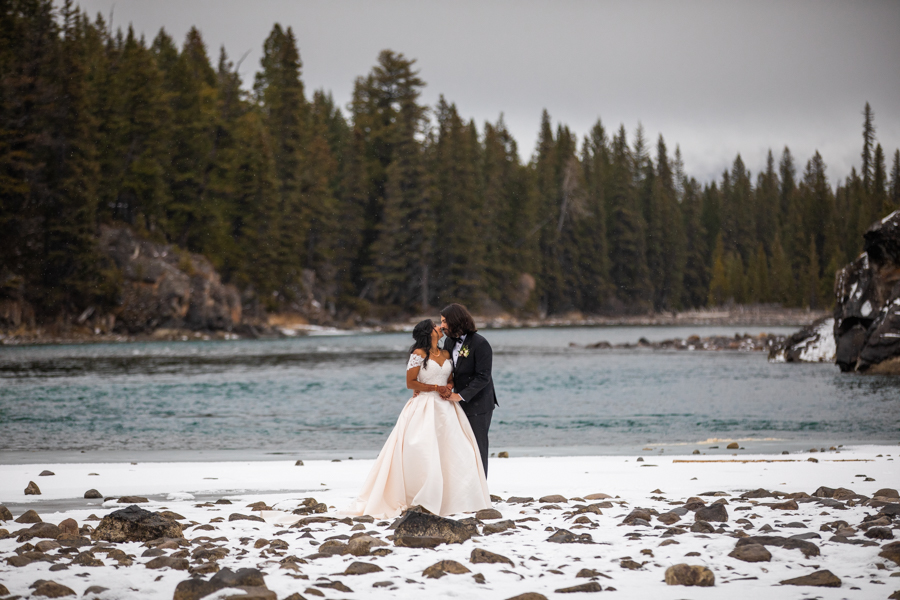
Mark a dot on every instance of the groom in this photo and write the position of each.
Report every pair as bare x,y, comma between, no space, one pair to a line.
472,357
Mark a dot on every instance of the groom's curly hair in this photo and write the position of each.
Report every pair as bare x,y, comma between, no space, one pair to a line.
458,320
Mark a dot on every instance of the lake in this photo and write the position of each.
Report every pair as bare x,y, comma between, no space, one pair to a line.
339,396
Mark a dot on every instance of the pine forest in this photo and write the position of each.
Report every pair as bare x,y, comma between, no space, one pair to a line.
385,206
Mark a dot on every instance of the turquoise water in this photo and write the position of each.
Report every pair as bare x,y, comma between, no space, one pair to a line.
329,396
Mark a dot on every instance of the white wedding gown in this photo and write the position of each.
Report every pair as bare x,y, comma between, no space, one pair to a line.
430,459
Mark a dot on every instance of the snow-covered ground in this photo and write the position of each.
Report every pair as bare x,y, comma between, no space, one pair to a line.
656,482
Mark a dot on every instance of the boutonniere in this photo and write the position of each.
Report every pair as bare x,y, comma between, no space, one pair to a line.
464,351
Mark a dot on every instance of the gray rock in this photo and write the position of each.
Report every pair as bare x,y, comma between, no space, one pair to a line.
92,494
134,524
421,524
519,500
249,580
822,578
361,568
751,553
591,586
51,589
168,562
438,570
553,499
498,527
714,512
480,555
563,536
880,533
807,548
488,514
638,514
702,527
29,516
418,541
891,552
758,493
240,517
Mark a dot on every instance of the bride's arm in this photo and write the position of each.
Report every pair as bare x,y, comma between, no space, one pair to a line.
412,371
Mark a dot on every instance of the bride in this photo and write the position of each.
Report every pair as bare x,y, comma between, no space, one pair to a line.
431,458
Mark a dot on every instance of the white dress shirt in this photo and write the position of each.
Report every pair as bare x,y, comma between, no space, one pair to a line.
457,348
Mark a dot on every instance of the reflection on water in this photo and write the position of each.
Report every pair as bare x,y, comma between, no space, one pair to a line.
345,393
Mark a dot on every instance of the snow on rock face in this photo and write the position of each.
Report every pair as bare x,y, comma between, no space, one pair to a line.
867,303
811,344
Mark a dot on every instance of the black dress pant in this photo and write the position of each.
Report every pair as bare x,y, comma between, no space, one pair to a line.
480,425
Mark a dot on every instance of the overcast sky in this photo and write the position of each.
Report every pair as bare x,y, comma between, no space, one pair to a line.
717,78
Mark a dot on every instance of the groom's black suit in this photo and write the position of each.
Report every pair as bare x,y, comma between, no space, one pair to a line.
473,382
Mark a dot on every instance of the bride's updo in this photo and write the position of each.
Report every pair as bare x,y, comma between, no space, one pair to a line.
422,336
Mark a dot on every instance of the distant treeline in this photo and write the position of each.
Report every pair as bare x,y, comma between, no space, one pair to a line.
390,207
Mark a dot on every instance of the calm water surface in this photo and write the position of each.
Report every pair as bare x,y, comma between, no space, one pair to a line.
324,396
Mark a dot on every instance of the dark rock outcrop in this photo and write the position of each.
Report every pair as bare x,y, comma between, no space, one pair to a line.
165,287
813,343
134,524
867,303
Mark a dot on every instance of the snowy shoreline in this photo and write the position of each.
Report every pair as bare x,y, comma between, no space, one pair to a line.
659,483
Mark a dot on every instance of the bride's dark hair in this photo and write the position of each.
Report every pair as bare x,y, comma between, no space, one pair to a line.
422,336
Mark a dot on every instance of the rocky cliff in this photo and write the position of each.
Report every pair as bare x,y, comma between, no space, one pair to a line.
867,303
164,287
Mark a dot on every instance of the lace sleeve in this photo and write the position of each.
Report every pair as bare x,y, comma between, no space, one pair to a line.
414,361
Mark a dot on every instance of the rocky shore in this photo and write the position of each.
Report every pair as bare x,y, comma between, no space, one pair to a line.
747,524
764,342
293,325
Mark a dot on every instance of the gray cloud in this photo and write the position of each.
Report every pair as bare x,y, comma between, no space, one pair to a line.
717,78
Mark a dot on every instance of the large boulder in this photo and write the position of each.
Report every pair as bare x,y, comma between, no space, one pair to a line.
416,522
867,303
134,524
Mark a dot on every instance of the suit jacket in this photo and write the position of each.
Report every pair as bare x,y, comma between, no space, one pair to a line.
472,375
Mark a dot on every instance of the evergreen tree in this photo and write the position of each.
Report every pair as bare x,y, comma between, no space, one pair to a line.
628,259
810,280
868,141
279,91
719,284
591,233
895,182
510,252
787,175
190,215
768,205
880,203
782,280
459,249
696,269
398,274
669,264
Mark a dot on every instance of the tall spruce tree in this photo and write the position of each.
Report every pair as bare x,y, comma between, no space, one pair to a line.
894,195
868,167
696,269
280,93
628,259
403,216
